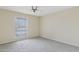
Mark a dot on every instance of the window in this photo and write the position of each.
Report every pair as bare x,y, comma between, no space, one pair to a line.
21,27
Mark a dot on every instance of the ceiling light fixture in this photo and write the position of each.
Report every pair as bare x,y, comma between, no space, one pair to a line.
34,8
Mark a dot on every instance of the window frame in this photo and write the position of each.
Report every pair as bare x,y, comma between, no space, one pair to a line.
16,28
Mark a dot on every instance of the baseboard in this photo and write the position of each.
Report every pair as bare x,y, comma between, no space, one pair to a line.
17,40
34,37
60,42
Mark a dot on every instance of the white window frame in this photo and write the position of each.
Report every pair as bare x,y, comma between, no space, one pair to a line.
25,35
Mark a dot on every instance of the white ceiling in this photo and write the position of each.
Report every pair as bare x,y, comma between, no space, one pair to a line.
42,10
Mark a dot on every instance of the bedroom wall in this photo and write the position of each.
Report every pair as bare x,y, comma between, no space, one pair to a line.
62,26
7,25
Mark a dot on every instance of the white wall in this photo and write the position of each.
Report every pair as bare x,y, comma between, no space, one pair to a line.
7,25
61,26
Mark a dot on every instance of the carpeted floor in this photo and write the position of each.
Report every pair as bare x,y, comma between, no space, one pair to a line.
37,45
